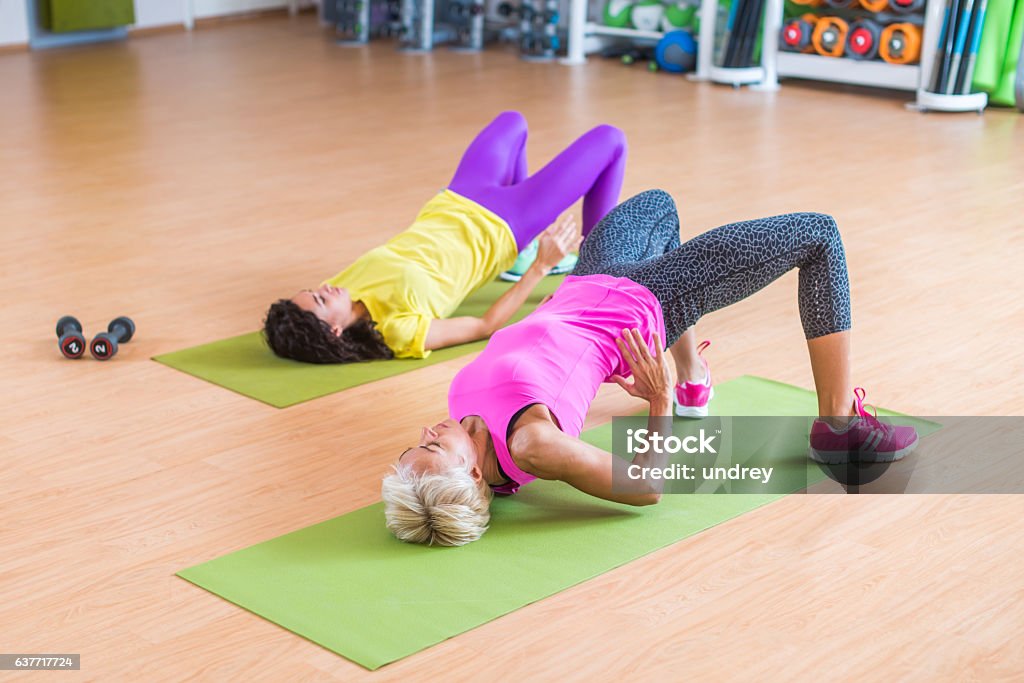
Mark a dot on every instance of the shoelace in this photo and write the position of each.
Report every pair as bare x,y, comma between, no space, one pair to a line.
872,417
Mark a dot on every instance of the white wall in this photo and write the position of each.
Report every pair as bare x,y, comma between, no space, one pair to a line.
162,12
216,8
13,22
158,12
148,13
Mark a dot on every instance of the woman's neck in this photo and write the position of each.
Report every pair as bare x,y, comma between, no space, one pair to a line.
487,459
360,311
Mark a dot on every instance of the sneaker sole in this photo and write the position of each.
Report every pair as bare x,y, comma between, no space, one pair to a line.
843,457
695,411
510,277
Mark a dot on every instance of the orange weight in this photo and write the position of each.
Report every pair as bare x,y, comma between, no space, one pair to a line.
874,5
829,37
900,43
809,3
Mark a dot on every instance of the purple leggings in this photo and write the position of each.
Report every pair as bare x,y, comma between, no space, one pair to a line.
493,174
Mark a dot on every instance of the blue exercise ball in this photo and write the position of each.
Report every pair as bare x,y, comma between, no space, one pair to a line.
676,52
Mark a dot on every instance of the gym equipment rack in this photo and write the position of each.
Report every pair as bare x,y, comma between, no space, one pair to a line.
927,100
585,36
464,28
912,77
417,25
761,76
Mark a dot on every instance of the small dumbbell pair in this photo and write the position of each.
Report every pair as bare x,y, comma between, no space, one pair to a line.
102,347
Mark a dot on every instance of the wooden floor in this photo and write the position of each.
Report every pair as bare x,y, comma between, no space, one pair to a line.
188,180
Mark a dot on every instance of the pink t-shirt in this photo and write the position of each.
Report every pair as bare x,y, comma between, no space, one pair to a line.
557,356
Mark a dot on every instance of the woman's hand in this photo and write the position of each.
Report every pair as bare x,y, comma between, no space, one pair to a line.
652,375
557,241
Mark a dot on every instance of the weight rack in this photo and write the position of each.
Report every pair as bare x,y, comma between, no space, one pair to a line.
774,63
539,39
415,22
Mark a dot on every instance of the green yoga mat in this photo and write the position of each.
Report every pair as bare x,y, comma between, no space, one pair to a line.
351,587
245,365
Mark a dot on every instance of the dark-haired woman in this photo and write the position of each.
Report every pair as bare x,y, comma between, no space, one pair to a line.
395,300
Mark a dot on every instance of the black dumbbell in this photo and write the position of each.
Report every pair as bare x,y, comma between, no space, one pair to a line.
104,345
70,338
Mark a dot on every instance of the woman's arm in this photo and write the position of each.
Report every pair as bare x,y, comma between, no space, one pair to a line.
593,470
552,454
555,243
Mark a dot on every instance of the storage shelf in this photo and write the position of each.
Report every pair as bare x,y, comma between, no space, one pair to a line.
845,70
737,76
594,29
586,36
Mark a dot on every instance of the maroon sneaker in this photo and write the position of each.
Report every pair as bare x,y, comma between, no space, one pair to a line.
865,439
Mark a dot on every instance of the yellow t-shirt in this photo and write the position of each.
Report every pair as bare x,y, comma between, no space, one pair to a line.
452,248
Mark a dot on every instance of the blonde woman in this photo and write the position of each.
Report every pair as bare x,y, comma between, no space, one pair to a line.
516,411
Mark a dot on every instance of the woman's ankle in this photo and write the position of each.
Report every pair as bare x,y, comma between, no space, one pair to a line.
838,413
695,373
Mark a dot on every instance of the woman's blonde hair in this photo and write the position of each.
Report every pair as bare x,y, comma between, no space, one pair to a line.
444,509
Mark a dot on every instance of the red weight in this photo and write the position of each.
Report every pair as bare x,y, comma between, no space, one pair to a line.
861,41
792,34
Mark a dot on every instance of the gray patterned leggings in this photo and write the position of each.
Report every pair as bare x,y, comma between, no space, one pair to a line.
639,240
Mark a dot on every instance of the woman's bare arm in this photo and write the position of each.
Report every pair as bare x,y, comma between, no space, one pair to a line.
555,243
593,470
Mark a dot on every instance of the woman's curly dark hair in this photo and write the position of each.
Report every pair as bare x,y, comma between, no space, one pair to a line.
297,334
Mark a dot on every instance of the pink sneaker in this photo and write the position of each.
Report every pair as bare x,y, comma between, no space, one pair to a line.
692,399
865,439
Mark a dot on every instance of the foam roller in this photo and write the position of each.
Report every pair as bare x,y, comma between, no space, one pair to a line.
900,43
829,37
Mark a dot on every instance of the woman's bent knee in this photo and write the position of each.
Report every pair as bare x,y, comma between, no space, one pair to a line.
654,201
512,119
609,135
